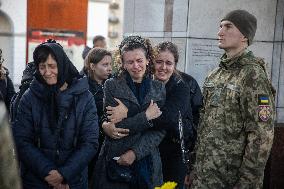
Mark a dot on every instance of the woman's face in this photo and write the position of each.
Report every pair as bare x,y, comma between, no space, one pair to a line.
135,62
49,70
164,66
102,69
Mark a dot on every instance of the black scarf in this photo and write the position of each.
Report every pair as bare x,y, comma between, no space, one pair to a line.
142,168
66,73
139,90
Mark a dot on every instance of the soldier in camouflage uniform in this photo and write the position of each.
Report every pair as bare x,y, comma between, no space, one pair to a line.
9,177
236,129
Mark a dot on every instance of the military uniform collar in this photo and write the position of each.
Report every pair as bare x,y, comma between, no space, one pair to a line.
231,63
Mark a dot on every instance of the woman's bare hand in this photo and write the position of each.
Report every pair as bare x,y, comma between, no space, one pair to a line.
113,132
127,158
153,111
117,113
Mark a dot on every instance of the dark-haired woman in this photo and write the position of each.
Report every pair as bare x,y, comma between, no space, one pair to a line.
56,128
98,67
184,96
132,162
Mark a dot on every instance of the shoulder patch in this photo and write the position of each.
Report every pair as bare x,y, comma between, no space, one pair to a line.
264,109
263,99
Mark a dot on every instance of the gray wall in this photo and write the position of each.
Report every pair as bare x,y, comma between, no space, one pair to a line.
193,26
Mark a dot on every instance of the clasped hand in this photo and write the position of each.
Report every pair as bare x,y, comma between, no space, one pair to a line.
55,179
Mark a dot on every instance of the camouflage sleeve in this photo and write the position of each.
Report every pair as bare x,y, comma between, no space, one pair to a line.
9,176
257,108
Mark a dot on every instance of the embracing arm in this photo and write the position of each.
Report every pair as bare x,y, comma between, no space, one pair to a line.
136,123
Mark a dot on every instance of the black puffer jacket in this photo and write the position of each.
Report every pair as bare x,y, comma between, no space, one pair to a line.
66,144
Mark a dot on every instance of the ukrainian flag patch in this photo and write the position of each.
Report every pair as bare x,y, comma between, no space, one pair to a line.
264,109
263,100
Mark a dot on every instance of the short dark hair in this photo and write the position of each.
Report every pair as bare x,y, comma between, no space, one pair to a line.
98,38
170,46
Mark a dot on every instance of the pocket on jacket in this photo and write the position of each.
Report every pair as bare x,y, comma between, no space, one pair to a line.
232,93
212,94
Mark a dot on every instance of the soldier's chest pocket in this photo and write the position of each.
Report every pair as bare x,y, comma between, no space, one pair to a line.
232,94
213,94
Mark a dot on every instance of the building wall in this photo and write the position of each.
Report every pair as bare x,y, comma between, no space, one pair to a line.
13,41
60,20
97,20
16,12
58,14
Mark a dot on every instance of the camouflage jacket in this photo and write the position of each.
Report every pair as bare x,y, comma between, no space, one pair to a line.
9,177
236,128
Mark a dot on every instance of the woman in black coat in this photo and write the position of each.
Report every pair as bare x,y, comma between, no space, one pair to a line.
56,127
98,68
132,162
184,96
